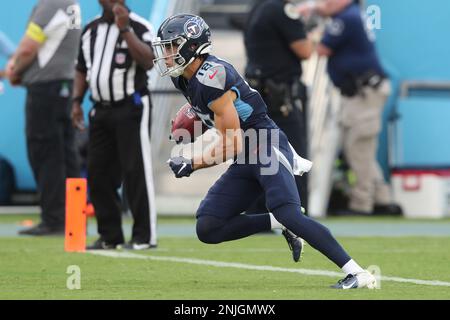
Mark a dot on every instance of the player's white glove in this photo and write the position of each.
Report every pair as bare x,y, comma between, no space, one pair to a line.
181,166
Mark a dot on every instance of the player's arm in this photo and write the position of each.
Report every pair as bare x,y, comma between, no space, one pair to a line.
80,87
323,50
322,8
302,48
292,30
25,53
141,52
327,8
79,90
229,143
28,48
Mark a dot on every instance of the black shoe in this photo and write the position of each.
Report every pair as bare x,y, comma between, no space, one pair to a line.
42,230
135,245
295,244
100,244
387,210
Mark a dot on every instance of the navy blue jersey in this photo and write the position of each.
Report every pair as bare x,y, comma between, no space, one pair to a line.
213,79
352,44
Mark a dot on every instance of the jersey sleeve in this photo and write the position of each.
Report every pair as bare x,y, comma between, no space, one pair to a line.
81,61
290,29
336,34
215,80
47,18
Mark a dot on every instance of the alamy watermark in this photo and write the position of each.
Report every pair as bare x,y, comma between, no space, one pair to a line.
256,147
373,17
74,279
74,14
267,148
376,272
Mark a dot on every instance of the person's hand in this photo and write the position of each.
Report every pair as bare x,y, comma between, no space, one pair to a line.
15,80
10,67
121,14
306,9
181,166
77,116
2,74
13,77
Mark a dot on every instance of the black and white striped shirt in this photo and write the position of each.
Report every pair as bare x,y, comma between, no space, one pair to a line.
110,70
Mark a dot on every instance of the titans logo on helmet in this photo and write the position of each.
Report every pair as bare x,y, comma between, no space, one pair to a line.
193,28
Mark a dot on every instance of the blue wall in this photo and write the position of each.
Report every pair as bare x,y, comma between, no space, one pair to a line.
413,43
413,38
13,21
423,131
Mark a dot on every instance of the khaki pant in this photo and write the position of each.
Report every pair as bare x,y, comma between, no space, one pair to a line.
361,123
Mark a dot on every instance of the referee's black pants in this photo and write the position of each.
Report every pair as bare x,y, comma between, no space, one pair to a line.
295,127
119,151
50,146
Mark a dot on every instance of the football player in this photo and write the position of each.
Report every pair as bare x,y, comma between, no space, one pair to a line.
224,101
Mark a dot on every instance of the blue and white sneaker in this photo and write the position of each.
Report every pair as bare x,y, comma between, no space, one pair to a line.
356,281
296,244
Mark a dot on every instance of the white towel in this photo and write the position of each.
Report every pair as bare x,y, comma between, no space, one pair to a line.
301,165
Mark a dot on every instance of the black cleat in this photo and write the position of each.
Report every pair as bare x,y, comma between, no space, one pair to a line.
42,230
354,281
100,244
349,282
295,244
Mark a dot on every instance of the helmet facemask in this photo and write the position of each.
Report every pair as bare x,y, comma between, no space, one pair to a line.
169,50
174,50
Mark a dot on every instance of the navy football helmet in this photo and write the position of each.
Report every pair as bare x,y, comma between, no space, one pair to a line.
183,38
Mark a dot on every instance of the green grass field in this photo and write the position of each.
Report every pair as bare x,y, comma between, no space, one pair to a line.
35,268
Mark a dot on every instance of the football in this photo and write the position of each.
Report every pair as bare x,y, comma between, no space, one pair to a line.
187,125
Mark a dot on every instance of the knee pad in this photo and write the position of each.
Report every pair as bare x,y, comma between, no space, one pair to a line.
208,229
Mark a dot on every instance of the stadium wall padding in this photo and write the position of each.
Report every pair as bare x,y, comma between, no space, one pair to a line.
413,45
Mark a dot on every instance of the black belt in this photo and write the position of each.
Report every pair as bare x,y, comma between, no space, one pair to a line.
135,99
353,85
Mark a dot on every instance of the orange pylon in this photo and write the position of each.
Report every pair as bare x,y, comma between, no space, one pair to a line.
76,199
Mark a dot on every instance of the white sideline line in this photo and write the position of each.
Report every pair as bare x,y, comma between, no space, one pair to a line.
309,272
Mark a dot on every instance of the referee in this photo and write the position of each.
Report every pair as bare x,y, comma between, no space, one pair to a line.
115,55
44,64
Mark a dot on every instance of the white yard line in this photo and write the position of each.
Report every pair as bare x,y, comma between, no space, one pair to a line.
219,264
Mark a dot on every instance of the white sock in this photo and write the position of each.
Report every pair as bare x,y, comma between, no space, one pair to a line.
352,267
274,224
